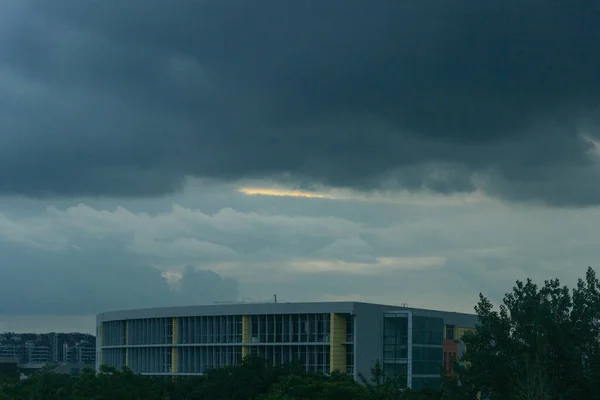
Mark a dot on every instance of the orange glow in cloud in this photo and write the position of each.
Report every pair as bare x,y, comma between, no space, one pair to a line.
404,197
280,192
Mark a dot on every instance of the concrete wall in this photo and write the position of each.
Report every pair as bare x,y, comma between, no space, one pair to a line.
368,340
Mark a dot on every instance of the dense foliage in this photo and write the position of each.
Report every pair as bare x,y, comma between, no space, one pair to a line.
254,379
542,343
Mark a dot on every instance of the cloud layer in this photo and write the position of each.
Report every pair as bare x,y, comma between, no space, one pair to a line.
129,98
110,256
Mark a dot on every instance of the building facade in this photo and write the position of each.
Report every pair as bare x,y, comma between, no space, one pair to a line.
80,353
33,348
348,337
65,352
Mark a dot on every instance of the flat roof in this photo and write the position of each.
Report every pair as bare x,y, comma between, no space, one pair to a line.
342,307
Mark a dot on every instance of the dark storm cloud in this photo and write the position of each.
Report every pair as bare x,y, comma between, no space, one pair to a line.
125,98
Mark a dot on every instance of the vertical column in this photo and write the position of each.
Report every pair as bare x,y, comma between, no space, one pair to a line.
337,337
354,348
245,335
127,343
409,366
101,344
175,340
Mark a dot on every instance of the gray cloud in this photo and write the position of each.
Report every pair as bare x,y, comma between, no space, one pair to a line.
111,252
100,278
125,99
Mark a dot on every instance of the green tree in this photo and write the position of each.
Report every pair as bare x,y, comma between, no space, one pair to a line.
379,386
254,379
316,386
542,343
45,385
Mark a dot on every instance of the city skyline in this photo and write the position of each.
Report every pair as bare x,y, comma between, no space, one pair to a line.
30,350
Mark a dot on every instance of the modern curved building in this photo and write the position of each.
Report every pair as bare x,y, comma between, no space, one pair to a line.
339,336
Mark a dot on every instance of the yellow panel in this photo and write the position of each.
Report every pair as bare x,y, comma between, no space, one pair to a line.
459,331
126,343
245,335
337,336
174,349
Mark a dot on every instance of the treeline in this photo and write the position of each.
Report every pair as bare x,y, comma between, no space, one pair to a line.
542,343
254,379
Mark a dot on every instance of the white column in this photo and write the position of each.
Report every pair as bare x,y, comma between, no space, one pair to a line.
409,364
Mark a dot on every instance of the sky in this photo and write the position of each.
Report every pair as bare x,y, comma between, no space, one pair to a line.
400,152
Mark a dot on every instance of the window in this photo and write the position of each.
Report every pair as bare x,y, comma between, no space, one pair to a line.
428,330
450,332
350,329
350,359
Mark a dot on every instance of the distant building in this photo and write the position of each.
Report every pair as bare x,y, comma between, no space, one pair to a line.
9,367
80,353
38,354
12,351
35,350
347,337
54,347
